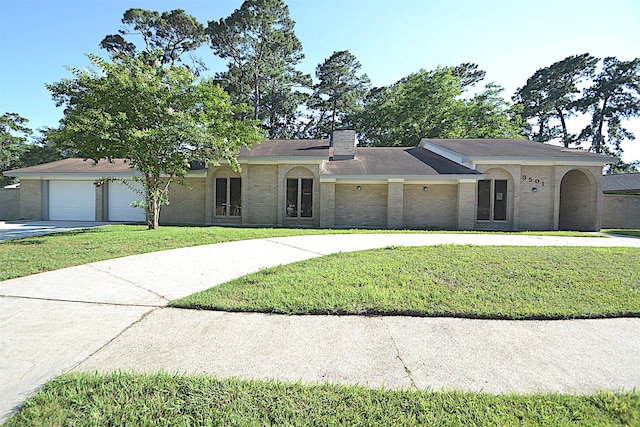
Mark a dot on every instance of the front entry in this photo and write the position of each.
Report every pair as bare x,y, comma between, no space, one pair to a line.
577,204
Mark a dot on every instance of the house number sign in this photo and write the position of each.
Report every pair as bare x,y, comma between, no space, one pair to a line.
532,180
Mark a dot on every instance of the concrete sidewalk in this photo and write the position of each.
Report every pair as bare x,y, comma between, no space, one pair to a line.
109,314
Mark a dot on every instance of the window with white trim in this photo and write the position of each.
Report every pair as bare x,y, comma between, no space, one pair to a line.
299,198
492,200
228,196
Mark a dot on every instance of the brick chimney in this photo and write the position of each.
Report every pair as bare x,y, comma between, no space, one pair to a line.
344,143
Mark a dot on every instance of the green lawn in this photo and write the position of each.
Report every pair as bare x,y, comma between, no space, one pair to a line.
633,233
448,280
124,399
21,257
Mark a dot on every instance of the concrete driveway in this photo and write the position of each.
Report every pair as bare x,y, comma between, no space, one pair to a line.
111,315
22,229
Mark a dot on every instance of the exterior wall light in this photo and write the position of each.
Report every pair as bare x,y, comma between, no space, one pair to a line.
534,189
425,188
358,188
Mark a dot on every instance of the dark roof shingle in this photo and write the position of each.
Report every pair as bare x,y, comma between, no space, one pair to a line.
621,183
288,148
512,148
76,165
395,161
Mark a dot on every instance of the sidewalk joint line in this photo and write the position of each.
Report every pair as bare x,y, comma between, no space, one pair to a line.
118,335
119,304
296,247
91,265
398,356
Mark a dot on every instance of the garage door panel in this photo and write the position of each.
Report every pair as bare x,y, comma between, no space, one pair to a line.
120,197
72,200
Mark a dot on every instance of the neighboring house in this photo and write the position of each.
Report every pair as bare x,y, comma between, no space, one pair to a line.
621,201
471,184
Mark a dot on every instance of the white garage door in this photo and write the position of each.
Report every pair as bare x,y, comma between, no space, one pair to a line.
72,200
120,198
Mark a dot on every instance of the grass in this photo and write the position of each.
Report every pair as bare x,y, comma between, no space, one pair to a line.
625,232
124,399
22,257
448,280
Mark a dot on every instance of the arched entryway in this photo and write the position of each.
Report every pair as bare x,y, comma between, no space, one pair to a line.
577,202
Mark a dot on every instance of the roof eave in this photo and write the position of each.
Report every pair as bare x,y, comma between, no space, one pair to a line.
451,178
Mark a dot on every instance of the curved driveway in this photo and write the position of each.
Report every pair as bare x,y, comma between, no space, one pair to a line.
111,315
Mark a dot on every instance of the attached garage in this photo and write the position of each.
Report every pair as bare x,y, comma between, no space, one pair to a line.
72,200
120,197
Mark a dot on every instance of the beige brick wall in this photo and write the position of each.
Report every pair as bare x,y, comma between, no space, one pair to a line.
187,205
328,204
536,207
435,208
262,194
9,204
100,208
31,199
466,205
364,208
621,211
395,205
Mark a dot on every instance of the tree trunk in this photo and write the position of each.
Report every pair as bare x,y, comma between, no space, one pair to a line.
597,140
565,133
152,202
156,214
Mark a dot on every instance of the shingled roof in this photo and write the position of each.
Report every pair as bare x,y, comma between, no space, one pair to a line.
621,183
394,161
511,149
288,148
75,165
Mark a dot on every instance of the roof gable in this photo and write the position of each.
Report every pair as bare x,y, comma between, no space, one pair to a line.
509,149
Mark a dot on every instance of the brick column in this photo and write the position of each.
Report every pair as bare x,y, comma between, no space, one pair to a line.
327,203
244,195
466,205
395,203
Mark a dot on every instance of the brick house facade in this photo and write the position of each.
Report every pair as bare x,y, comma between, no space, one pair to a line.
470,184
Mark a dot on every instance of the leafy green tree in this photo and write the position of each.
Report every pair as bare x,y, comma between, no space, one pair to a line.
488,115
551,93
339,92
613,97
175,33
158,118
13,138
262,50
43,150
428,104
468,73
423,104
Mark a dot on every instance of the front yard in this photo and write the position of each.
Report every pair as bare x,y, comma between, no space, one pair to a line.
498,282
492,282
21,257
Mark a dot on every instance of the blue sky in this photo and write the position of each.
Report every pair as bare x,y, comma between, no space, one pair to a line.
510,39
